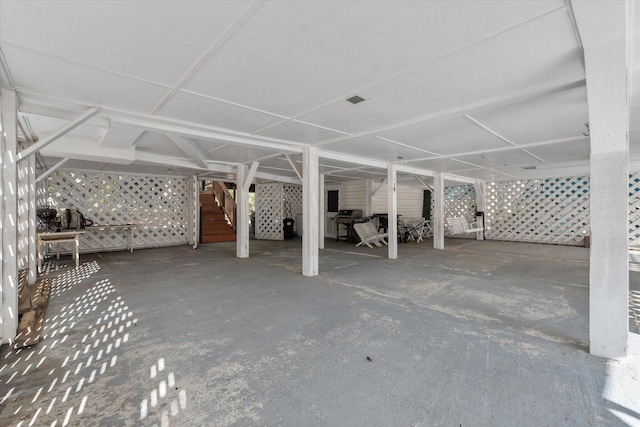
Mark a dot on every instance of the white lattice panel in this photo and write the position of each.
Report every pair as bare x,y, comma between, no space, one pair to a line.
552,210
292,196
459,201
634,210
158,204
269,211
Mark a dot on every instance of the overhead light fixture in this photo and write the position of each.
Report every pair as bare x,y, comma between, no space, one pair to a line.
355,99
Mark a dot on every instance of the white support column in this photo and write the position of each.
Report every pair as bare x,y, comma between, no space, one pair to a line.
481,204
392,209
606,38
310,198
321,211
33,249
194,211
438,211
368,189
242,212
9,145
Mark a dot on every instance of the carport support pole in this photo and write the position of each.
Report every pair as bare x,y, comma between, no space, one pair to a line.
392,207
310,210
438,211
605,32
242,213
480,188
321,211
9,221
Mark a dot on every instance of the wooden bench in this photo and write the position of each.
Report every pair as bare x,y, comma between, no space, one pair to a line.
459,225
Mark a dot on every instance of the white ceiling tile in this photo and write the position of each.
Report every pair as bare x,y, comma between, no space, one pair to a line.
571,151
158,143
157,41
539,52
62,79
501,158
293,56
295,131
374,148
553,116
237,154
198,109
441,165
445,136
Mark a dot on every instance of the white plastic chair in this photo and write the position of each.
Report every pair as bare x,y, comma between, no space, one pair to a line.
369,235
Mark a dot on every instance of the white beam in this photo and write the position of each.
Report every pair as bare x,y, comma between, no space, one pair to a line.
438,211
51,170
605,33
321,212
242,213
190,149
8,153
58,133
392,209
158,159
246,185
204,133
374,192
423,182
368,202
310,217
89,150
31,200
296,167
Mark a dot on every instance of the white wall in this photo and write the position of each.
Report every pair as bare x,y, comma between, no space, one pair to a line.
353,196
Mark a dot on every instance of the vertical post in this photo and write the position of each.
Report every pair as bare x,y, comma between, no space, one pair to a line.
322,218
481,204
392,208
9,143
605,32
32,220
191,211
310,196
242,213
438,211
368,189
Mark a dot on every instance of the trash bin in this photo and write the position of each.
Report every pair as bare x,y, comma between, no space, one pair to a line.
480,221
288,228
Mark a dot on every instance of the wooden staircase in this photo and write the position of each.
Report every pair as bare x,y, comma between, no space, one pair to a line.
215,227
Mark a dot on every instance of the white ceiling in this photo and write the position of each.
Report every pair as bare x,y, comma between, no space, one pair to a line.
490,90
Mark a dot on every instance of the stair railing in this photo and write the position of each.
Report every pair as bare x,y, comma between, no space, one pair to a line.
225,201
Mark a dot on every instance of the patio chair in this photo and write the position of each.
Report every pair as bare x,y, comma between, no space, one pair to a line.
368,234
418,229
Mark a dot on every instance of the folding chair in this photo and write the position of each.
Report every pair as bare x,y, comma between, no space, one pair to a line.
368,235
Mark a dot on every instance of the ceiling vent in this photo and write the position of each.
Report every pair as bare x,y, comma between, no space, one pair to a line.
355,99
529,167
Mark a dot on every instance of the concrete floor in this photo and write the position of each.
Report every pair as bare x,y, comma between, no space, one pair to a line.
479,334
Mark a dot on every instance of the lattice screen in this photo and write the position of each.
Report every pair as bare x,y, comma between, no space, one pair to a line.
634,210
158,204
460,200
292,195
552,210
269,211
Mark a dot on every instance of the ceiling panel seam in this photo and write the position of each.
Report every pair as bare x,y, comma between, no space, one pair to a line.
210,53
427,62
491,102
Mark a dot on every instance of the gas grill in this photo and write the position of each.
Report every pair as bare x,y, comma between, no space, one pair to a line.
346,218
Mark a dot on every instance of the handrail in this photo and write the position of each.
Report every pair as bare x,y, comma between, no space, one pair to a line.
225,201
